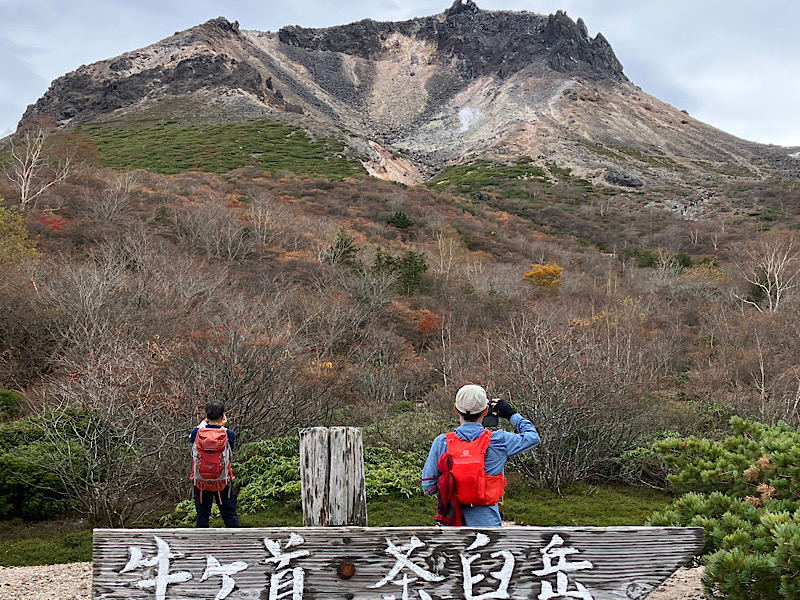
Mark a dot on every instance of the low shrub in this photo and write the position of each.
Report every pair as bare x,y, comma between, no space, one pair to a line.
409,431
27,491
71,547
744,492
270,145
46,543
9,405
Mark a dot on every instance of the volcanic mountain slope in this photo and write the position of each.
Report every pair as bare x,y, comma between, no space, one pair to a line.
436,90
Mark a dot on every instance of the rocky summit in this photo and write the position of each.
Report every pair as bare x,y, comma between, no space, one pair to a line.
410,97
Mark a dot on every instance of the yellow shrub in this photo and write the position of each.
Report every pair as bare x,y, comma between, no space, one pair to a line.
14,243
546,276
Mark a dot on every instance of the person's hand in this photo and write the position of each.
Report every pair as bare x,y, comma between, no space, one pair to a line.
503,409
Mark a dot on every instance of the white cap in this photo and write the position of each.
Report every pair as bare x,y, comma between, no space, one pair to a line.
471,399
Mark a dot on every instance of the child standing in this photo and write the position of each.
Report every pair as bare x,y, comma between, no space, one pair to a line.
212,446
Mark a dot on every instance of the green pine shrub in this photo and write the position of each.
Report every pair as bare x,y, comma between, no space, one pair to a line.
745,492
410,431
645,257
169,147
408,268
9,405
343,251
400,220
27,491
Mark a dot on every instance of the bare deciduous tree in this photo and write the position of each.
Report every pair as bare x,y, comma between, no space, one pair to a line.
111,205
576,383
216,230
88,299
110,433
33,164
666,267
261,218
250,360
694,235
771,267
449,249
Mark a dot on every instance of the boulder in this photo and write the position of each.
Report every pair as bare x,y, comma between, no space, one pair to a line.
617,176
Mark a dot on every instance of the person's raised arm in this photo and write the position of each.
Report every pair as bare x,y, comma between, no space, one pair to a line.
527,437
430,472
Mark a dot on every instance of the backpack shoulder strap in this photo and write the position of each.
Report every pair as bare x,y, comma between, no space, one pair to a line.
486,439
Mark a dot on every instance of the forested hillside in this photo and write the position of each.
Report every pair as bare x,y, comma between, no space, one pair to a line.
134,297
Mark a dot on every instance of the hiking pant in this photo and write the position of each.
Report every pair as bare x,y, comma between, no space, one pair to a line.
204,501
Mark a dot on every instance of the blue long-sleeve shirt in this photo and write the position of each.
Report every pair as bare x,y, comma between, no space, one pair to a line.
503,445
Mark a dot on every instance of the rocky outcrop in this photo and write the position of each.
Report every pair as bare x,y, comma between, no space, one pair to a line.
82,97
466,43
483,42
616,176
570,47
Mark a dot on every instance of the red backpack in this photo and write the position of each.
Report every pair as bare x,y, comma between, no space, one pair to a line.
463,479
211,459
473,486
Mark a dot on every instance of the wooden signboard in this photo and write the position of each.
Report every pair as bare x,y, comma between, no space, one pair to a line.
397,563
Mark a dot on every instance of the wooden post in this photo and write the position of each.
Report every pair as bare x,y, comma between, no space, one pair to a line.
332,477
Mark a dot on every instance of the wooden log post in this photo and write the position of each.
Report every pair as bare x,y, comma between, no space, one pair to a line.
332,477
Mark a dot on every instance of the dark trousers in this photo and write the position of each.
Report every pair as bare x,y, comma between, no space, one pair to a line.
204,501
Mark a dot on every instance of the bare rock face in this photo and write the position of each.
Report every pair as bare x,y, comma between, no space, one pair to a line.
570,45
82,96
482,42
616,176
104,87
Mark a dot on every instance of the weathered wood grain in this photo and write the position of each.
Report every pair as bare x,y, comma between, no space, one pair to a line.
406,562
315,465
332,477
347,489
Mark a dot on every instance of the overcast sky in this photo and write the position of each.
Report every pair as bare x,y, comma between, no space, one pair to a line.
730,63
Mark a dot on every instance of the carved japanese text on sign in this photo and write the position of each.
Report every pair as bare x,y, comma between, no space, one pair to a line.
389,563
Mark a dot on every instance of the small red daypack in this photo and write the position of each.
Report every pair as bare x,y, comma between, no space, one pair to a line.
463,479
473,486
211,459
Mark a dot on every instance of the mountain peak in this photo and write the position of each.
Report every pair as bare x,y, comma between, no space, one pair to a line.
221,24
481,42
409,96
462,6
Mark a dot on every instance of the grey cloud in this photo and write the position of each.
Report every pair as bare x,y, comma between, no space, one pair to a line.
21,83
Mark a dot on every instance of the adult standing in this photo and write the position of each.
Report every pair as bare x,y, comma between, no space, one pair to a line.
465,467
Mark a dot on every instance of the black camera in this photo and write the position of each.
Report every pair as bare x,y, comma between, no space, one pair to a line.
491,419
